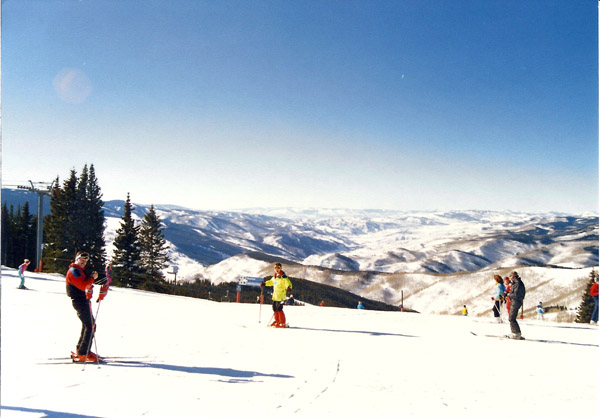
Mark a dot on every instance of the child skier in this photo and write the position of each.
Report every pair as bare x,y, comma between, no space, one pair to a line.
281,285
540,311
22,269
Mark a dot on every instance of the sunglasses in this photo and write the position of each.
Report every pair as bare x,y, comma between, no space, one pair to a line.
84,256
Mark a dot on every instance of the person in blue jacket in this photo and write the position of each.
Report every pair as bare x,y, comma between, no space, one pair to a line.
360,305
498,295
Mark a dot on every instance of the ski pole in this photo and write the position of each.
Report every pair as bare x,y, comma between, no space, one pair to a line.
260,306
272,316
92,338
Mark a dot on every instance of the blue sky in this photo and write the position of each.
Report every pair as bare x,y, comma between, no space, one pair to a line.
410,105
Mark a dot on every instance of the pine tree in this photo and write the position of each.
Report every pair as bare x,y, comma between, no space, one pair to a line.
584,312
4,237
26,229
60,228
126,262
75,222
54,231
91,213
154,249
8,236
18,235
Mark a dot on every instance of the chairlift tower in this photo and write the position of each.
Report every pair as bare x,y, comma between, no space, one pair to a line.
41,189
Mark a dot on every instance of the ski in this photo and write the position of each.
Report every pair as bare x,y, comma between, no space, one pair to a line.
537,340
103,361
101,358
502,337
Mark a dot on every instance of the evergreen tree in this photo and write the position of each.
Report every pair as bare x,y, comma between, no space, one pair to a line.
60,236
4,236
154,249
8,234
91,219
54,231
584,312
126,263
26,230
18,235
75,222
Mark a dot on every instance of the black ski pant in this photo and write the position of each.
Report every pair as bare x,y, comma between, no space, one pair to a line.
496,309
515,305
84,312
278,305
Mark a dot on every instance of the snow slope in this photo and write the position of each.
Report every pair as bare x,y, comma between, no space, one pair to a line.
194,357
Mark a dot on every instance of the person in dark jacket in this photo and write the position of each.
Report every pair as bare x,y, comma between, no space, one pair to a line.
79,289
516,295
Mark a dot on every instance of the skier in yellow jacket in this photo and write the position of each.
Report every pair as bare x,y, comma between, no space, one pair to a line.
281,285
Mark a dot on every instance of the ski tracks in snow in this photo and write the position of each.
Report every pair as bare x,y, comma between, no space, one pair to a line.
313,387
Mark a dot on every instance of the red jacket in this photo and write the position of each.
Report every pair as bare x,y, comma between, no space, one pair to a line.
76,278
594,289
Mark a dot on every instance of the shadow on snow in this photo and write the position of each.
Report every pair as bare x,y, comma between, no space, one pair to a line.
47,413
373,333
217,371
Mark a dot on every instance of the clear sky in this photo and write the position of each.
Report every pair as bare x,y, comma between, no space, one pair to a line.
410,105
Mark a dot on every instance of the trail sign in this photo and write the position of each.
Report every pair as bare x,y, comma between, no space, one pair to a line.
250,281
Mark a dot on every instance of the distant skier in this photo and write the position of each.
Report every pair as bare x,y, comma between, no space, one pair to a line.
516,295
594,295
497,298
360,305
21,270
281,285
79,289
540,311
465,312
507,287
106,285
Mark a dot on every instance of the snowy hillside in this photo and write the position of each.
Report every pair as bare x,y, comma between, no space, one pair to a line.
427,292
184,357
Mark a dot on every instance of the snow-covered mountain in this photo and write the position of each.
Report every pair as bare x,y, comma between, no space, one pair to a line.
434,262
383,241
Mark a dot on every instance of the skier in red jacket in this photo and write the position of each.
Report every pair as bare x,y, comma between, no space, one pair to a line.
507,286
79,289
594,295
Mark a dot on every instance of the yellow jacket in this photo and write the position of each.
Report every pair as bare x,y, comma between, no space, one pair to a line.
280,285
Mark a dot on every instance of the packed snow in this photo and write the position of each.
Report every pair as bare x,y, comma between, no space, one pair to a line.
189,357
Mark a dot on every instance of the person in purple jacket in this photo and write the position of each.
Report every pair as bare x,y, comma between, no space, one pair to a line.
22,269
